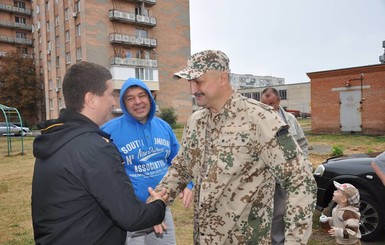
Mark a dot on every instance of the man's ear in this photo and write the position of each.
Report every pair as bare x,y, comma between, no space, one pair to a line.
89,99
224,77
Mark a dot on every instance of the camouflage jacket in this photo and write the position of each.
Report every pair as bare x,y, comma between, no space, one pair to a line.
249,146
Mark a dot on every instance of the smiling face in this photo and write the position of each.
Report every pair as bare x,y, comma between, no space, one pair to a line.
137,102
271,98
208,89
339,197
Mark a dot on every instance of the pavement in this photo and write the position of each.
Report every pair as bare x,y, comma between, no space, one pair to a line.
320,149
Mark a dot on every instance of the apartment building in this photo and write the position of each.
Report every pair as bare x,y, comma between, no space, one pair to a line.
245,81
15,27
146,39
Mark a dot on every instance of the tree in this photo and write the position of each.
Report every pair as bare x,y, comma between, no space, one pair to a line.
19,85
169,115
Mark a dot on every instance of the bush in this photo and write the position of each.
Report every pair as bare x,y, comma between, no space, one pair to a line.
169,115
337,151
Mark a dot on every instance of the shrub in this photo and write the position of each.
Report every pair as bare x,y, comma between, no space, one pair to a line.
169,115
337,151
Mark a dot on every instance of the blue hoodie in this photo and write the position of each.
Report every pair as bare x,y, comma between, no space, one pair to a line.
147,149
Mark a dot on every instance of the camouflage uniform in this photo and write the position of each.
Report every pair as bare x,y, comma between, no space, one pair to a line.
233,158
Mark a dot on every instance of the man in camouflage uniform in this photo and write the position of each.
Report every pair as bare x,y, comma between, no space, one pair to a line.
233,149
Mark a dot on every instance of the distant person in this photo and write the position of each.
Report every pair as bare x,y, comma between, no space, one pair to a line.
80,192
147,145
234,148
345,220
270,96
378,164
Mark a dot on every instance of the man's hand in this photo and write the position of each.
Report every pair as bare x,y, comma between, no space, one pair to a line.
160,228
162,195
187,197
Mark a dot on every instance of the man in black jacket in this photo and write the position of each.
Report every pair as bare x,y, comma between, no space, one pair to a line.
80,192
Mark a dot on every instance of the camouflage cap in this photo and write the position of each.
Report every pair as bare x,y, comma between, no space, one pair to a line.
199,63
350,191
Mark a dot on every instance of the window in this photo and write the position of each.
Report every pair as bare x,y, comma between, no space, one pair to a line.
57,61
283,94
78,30
40,55
48,28
49,46
39,39
67,36
141,33
37,9
58,82
46,5
78,53
144,74
51,104
248,95
68,58
256,96
60,103
20,20
77,6
50,84
56,1
56,20
19,4
66,14
21,35
141,11
49,65
57,41
22,50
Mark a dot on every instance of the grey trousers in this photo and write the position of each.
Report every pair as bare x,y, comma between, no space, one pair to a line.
149,237
278,224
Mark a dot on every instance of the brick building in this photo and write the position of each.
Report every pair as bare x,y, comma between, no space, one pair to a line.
147,39
349,100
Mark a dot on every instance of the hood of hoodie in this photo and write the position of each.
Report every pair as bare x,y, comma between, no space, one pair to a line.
136,82
58,132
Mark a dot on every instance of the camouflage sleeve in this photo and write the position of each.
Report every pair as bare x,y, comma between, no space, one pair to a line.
291,169
178,174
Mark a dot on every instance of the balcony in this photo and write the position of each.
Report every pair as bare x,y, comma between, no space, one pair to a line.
127,17
149,2
133,40
12,9
7,39
15,25
134,62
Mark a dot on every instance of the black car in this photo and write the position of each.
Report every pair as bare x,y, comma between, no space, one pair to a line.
356,170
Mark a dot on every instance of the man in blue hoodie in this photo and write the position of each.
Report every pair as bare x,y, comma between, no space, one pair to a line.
147,145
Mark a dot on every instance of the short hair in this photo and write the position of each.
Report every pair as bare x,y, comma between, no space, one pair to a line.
272,89
81,78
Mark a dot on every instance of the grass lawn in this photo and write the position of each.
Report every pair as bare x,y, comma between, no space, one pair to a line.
16,176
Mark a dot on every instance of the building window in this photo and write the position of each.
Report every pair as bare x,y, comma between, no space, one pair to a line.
57,61
58,82
40,55
49,47
39,39
50,84
78,30
144,74
37,8
56,20
141,33
22,50
67,36
78,53
20,20
77,6
256,96
51,104
68,58
141,11
48,29
21,35
46,5
19,4
283,94
60,103
57,41
56,1
66,14
49,65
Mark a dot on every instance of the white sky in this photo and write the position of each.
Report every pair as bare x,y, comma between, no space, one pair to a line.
288,38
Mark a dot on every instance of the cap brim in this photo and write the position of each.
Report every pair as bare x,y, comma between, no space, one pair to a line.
188,74
337,185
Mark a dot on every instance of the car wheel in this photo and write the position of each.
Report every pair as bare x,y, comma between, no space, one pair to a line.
372,221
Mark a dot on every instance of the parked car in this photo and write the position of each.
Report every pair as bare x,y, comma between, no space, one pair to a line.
356,170
13,129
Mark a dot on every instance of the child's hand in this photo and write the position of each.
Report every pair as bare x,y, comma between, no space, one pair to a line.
332,231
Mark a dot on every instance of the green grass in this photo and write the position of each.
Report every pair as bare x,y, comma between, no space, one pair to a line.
16,176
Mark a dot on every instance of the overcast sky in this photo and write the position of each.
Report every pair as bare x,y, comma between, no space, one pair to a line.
289,38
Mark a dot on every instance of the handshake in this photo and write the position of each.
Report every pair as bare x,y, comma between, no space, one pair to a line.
162,195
